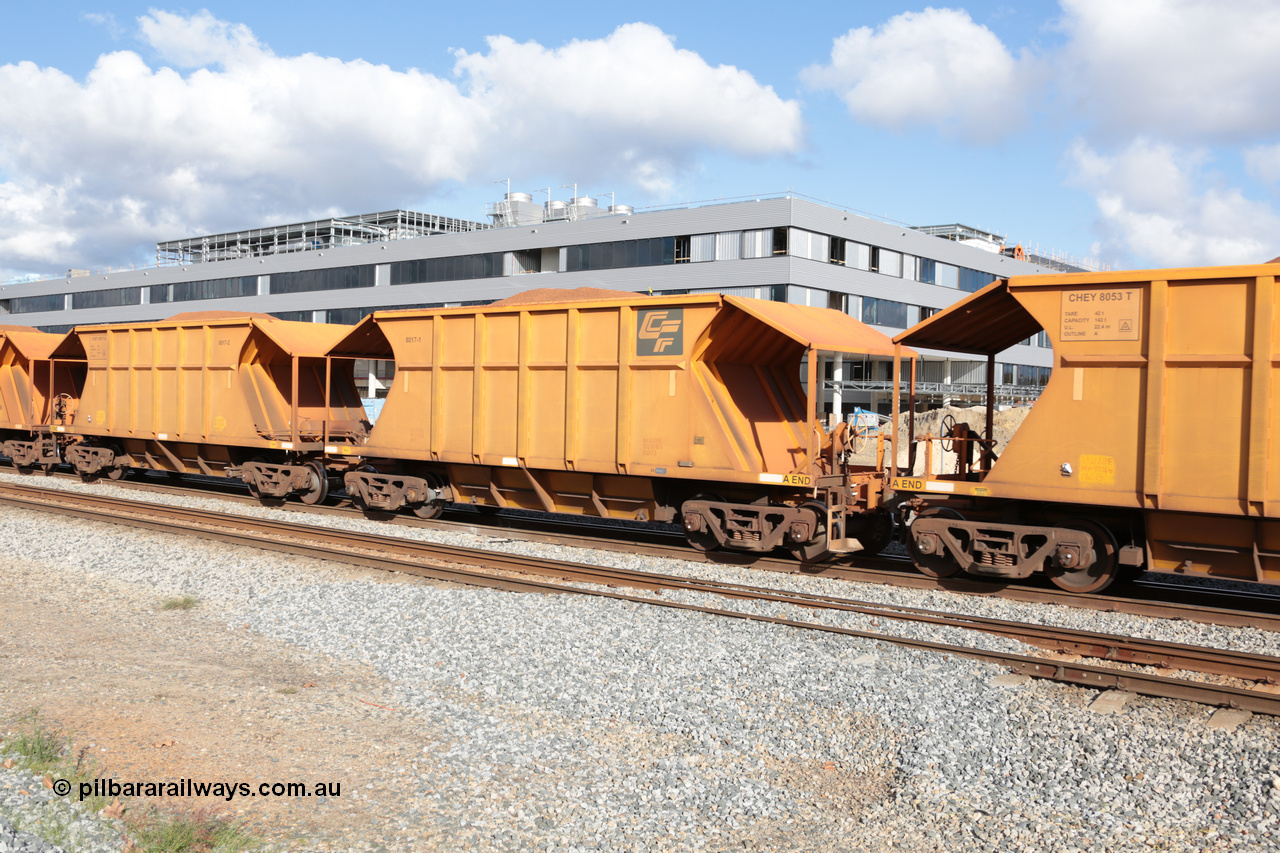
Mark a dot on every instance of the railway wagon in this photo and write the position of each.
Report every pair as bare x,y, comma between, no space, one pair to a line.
30,395
215,393
622,405
1154,445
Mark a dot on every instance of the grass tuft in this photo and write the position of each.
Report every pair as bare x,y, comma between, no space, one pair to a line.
156,830
39,743
42,747
185,602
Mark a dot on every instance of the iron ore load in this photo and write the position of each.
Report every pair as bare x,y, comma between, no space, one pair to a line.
683,408
1152,446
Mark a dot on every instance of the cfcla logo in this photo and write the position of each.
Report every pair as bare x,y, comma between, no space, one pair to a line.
660,331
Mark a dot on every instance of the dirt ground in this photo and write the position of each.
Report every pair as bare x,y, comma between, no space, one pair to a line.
167,695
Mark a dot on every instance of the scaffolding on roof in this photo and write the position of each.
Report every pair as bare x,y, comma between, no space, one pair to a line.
960,233
310,236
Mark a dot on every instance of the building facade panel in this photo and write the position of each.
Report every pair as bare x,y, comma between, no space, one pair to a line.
787,249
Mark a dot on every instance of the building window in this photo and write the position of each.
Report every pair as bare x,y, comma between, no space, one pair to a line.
457,268
33,304
683,250
335,278
933,372
886,262
972,281
217,288
1029,375
526,261
884,312
729,246
346,316
928,271
926,312
968,372
807,244
293,316
702,248
798,295
656,251
780,241
837,254
107,298
620,254
947,275
757,244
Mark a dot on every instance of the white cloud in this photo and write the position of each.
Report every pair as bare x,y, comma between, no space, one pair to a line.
132,154
1198,70
933,68
106,20
1263,163
1151,209
635,85
201,39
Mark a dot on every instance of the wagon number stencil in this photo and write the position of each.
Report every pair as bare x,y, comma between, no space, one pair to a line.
1101,315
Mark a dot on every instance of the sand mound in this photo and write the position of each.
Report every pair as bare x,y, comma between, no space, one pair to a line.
1005,424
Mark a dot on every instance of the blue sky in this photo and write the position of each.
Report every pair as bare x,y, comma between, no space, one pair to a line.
1144,133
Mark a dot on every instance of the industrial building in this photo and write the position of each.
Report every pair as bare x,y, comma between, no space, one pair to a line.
783,248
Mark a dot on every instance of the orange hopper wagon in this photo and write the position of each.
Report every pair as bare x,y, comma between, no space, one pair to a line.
1154,445
32,396
620,405
216,393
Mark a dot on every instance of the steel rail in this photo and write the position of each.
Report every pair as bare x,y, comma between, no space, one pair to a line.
1252,610
377,551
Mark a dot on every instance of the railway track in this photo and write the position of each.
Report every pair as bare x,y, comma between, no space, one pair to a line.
513,572
1148,597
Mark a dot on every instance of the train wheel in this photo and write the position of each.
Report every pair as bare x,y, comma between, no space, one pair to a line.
817,549
1105,566
813,552
253,489
319,488
878,535
939,565
430,509
703,540
117,473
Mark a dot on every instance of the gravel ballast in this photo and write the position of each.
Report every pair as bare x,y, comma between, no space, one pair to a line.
565,723
35,820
